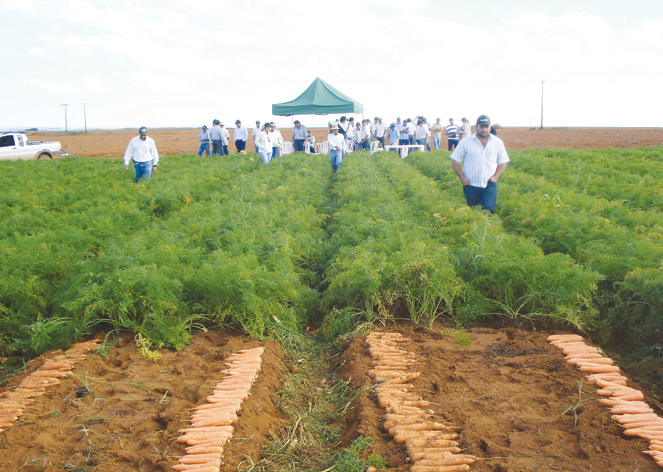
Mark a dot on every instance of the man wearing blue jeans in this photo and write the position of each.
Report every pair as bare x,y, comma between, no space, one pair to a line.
479,161
143,151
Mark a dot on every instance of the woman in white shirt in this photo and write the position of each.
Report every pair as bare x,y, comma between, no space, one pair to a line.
265,143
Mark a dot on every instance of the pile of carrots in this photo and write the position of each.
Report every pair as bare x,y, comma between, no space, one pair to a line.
15,400
626,404
430,444
212,423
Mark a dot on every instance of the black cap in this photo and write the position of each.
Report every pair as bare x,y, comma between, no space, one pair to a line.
483,120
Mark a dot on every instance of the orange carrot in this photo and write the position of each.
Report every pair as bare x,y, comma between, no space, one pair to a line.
423,442
208,467
198,458
450,459
204,449
625,419
415,456
449,468
598,368
403,436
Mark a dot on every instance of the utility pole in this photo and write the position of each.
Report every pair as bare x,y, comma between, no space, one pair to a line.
85,117
65,105
542,82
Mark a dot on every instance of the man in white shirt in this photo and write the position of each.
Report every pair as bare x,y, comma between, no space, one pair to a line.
350,134
241,135
437,133
226,139
411,131
337,147
143,150
479,161
379,130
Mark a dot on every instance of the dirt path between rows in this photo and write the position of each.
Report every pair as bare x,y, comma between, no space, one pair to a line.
100,143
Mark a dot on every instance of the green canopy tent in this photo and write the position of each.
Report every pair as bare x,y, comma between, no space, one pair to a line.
319,98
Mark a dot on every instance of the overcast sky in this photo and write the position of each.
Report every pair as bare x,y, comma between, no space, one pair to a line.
172,63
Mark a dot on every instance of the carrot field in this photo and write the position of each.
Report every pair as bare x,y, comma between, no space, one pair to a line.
176,277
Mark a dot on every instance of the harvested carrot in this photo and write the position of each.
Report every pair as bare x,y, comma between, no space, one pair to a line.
625,419
403,436
215,420
198,458
204,449
450,459
557,337
430,442
631,408
207,467
415,456
598,368
449,468
432,426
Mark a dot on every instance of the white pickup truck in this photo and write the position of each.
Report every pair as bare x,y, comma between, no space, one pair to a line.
15,146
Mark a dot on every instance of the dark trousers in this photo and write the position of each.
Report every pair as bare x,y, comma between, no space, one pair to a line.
224,150
217,147
453,143
299,145
486,197
240,145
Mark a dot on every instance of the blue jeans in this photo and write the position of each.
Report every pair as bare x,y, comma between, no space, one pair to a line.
240,144
256,148
299,145
204,147
436,142
411,137
366,145
217,147
265,156
336,157
453,144
486,197
143,170
275,152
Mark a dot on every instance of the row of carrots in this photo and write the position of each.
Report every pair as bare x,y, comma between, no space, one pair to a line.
626,404
212,422
14,401
430,444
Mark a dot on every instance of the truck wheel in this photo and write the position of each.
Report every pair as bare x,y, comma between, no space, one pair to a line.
44,155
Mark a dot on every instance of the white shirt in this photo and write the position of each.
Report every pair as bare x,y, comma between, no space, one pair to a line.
256,132
366,131
480,163
335,140
276,137
465,130
350,132
241,133
141,151
411,128
265,142
422,131
379,130
225,135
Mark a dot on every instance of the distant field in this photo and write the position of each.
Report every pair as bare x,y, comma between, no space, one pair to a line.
105,143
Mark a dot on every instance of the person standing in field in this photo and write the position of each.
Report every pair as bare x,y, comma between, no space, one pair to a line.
411,131
277,140
380,130
256,132
479,161
265,144
298,136
204,141
366,135
350,134
226,139
143,150
452,134
216,135
393,136
436,129
241,135
421,133
310,141
337,147
465,128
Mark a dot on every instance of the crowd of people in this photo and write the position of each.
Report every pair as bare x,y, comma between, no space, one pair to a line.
478,159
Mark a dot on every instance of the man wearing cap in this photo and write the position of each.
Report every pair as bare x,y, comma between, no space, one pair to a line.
143,150
350,134
240,136
299,136
256,133
337,147
204,141
216,135
465,128
479,161
452,134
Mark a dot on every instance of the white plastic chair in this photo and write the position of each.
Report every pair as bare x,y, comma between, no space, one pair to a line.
286,148
322,148
375,147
